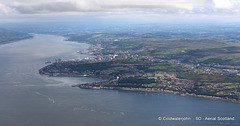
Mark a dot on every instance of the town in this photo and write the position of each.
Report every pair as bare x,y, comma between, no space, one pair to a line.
137,70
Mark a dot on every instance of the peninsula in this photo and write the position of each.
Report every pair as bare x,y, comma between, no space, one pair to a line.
149,62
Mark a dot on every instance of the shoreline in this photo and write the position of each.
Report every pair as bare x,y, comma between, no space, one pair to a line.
90,51
16,40
86,86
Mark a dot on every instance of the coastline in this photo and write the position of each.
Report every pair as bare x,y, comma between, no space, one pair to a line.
103,86
99,87
29,36
93,50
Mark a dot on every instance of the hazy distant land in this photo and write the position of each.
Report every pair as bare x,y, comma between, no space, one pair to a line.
7,36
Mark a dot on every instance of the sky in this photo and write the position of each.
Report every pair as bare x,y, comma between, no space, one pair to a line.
144,10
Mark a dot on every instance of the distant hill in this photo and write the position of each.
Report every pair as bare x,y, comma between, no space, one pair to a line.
7,36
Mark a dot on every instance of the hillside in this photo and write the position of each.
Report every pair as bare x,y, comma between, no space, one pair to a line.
7,36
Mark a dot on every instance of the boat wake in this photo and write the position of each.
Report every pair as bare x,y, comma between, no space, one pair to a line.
49,98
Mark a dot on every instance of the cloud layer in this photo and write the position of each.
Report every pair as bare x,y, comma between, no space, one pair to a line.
83,6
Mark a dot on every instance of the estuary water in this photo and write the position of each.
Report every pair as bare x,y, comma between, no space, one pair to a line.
30,99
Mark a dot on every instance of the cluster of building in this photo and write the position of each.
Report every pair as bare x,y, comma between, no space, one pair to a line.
165,81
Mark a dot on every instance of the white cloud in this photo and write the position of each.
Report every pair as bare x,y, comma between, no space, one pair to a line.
225,4
46,6
5,9
83,6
